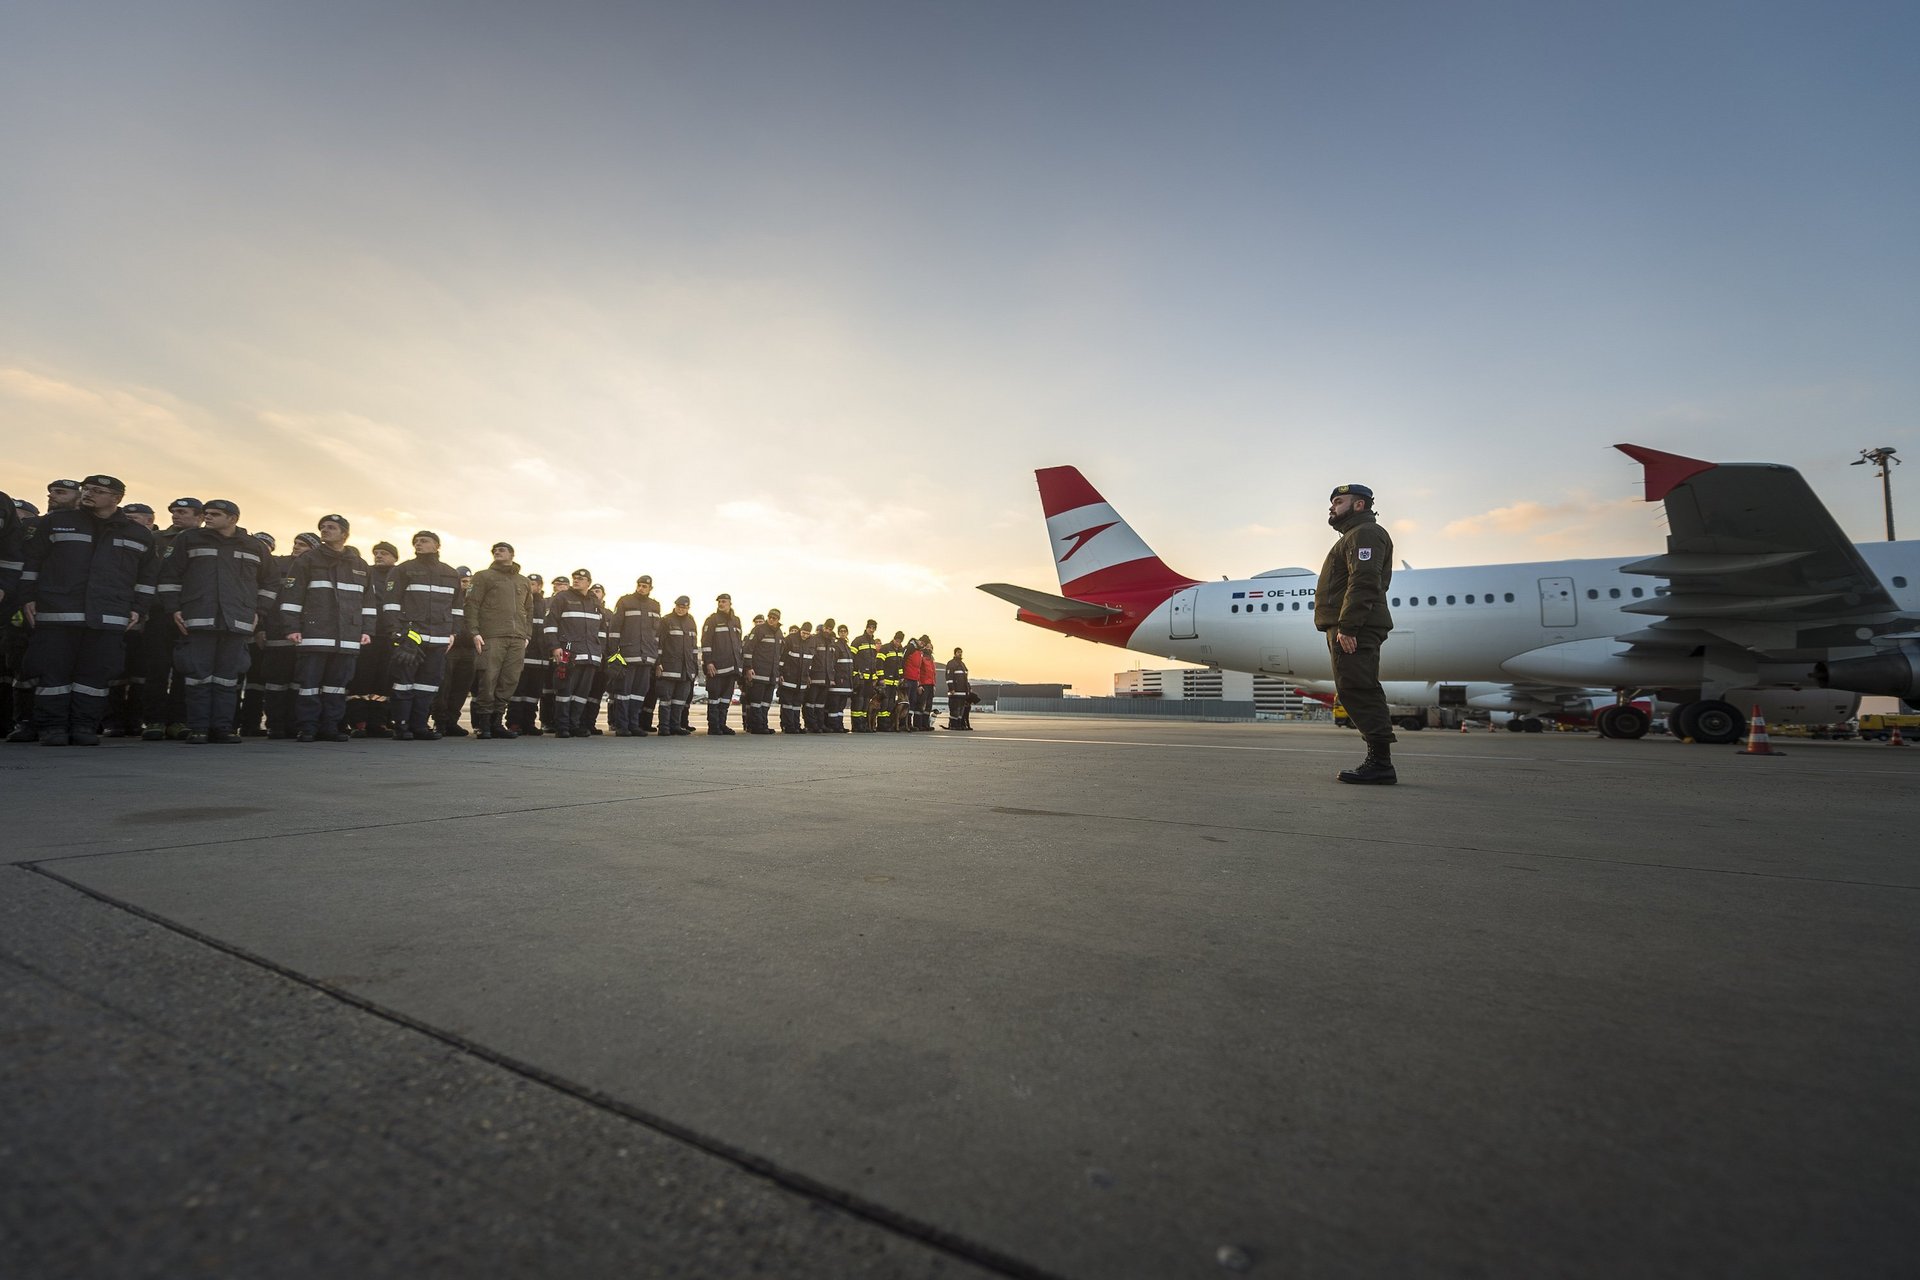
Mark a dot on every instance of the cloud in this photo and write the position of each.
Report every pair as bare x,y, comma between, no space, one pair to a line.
1575,521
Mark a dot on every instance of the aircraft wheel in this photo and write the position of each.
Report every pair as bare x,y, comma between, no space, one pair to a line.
1516,725
1412,722
1717,723
1680,720
1603,722
1531,725
1630,722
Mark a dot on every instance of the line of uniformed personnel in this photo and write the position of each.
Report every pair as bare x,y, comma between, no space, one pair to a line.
199,631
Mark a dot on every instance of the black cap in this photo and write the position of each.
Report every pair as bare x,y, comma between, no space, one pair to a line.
463,571
138,509
267,538
645,577
426,533
221,504
680,600
496,546
1356,490
63,484
193,503
101,482
337,519
304,539
25,508
387,547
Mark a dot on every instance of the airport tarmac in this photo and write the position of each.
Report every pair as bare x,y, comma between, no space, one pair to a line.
1058,997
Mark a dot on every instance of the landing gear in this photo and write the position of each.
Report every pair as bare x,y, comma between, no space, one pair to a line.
1622,721
1710,721
1411,723
1525,724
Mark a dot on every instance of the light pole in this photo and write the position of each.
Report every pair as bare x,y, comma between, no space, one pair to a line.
1884,459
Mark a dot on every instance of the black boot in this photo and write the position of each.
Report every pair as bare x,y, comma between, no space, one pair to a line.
501,729
1376,770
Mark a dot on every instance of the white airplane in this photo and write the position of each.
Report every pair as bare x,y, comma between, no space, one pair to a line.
1759,599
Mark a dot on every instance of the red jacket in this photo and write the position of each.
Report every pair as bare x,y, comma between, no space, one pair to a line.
914,660
925,668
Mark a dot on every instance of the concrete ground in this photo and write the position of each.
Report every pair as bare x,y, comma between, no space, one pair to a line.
1057,997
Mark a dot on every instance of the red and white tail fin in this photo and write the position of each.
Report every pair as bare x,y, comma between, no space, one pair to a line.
1096,553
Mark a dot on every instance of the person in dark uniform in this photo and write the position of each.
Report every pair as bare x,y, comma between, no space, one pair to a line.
17,518
1350,605
866,678
215,584
763,668
253,687
523,708
499,613
679,661
723,654
632,655
892,660
793,679
162,691
278,651
840,684
424,603
609,629
574,629
463,665
123,698
819,672
330,607
959,694
88,576
368,704
550,698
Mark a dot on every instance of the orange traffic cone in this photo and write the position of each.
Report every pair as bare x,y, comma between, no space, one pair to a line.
1896,740
1757,744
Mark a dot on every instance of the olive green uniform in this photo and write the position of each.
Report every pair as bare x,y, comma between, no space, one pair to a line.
1351,598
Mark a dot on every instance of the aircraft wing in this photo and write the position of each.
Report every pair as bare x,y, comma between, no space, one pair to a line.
1052,608
1753,559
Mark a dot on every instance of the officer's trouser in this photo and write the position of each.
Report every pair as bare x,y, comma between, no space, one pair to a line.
452,696
1356,682
837,699
320,679
162,700
523,711
72,668
413,697
210,665
790,706
629,706
887,694
276,668
815,706
759,703
253,688
720,699
675,693
499,674
959,710
13,646
571,696
123,696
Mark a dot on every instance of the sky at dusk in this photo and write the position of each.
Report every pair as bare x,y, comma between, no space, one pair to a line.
790,300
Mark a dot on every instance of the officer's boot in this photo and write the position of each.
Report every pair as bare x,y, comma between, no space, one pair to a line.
1377,769
500,727
482,723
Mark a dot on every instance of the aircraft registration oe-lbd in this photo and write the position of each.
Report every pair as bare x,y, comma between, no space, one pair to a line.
1759,599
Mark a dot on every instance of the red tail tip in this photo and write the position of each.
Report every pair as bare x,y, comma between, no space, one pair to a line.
1063,489
1665,471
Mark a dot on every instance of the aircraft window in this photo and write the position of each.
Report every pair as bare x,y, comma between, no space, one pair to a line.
1469,598
1450,600
1613,593
1263,608
1637,593
1236,608
1432,600
1509,597
1296,606
1412,601
1899,582
1593,593
1396,602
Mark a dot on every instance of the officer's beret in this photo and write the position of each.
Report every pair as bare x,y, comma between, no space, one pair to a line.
1356,490
463,571
582,573
337,519
645,577
496,546
680,600
427,533
724,595
138,509
267,538
63,484
100,482
25,508
387,547
306,539
193,503
221,504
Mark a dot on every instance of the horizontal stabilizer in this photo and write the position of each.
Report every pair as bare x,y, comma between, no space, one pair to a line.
1052,608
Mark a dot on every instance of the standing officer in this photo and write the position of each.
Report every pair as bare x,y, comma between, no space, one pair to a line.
330,604
424,603
632,656
840,682
725,654
763,668
1350,605
86,579
866,677
793,678
63,495
499,612
17,518
463,660
929,673
253,688
819,673
959,694
368,707
679,660
123,698
214,585
574,630
910,685
524,707
892,665
279,650
162,697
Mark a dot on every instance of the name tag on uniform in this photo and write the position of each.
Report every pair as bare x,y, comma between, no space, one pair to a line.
1366,553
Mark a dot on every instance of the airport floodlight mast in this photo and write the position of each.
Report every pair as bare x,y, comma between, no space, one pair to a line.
1884,459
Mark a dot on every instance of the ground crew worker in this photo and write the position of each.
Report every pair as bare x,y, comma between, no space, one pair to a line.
279,651
763,668
549,701
633,655
215,584
423,603
866,678
840,682
330,606
523,711
499,613
253,686
123,696
367,706
723,654
598,688
819,672
959,694
1350,605
162,695
679,661
87,577
573,639
892,663
463,662
793,679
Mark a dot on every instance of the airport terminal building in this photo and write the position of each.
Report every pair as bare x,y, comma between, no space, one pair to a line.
1272,697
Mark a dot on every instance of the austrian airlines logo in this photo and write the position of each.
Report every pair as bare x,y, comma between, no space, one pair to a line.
1083,537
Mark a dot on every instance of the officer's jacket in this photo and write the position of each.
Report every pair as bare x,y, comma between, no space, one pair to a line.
537,647
763,651
1352,592
957,677
820,659
892,663
679,647
219,583
500,603
842,679
276,622
81,571
380,586
13,552
793,660
915,661
866,661
637,627
576,623
423,597
929,669
329,599
725,647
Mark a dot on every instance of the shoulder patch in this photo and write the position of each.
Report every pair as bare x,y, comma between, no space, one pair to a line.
1365,553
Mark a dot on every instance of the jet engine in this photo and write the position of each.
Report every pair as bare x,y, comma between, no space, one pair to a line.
1893,674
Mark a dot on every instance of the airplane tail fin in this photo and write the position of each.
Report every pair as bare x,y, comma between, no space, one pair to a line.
1097,553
